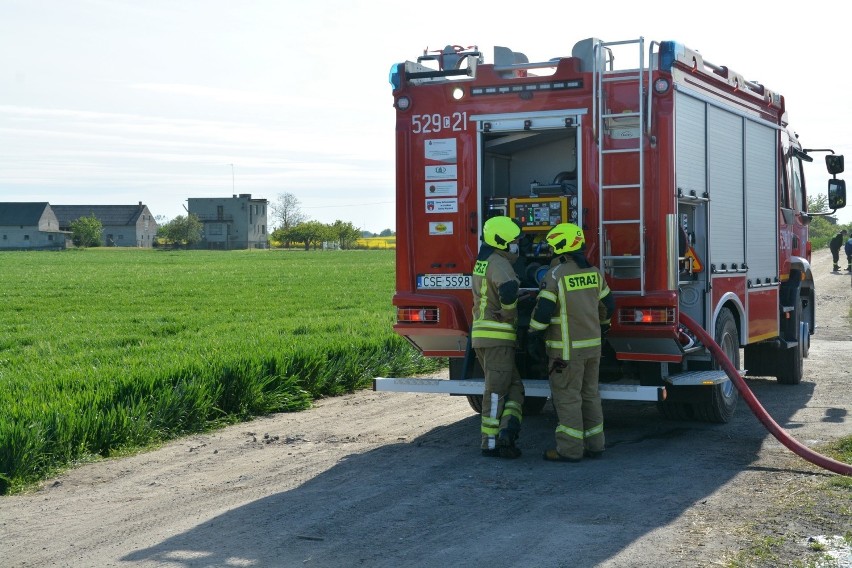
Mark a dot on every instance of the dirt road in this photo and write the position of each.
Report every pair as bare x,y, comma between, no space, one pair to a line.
388,479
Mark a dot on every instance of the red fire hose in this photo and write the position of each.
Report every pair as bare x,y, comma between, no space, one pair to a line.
780,434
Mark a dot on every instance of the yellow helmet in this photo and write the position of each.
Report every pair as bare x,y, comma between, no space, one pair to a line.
565,238
500,231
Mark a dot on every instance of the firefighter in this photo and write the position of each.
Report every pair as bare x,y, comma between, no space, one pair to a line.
834,244
847,248
571,315
495,303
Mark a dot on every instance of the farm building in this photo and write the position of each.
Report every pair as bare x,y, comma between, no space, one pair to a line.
30,226
123,225
237,222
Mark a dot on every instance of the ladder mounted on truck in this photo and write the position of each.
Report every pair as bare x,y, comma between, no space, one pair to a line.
620,136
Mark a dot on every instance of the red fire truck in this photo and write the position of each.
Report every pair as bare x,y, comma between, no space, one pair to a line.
685,177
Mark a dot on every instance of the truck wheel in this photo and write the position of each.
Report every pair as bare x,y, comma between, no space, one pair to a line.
475,402
790,365
808,317
791,361
718,402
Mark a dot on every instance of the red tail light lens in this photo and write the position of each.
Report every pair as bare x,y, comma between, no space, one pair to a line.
658,316
417,315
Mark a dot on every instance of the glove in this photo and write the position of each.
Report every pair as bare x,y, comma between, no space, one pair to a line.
535,348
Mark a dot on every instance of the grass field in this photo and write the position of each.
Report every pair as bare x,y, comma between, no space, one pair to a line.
103,350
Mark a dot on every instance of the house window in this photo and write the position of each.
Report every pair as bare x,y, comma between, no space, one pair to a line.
4,237
26,237
220,212
50,237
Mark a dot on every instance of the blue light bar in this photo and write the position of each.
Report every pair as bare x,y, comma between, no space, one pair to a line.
394,77
669,51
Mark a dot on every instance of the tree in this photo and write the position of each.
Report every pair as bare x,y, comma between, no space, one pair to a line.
310,233
285,211
821,227
86,231
286,215
345,233
817,203
182,230
387,233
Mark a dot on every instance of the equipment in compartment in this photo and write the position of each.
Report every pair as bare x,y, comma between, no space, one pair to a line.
538,213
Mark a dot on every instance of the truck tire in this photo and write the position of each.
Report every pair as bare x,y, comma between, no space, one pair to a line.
806,339
808,319
790,365
475,402
718,402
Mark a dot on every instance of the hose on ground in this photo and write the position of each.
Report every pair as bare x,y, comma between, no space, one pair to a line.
780,434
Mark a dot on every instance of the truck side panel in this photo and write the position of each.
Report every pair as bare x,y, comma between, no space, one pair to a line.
726,176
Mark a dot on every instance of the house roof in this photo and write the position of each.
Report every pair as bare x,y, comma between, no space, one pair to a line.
108,215
26,214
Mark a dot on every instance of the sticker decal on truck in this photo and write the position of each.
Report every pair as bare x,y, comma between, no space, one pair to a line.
441,228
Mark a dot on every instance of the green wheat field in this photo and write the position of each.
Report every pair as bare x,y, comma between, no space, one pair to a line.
103,351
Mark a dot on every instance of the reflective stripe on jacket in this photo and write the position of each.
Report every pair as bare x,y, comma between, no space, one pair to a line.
574,329
493,319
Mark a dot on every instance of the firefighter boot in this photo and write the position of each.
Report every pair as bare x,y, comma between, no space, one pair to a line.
506,439
836,268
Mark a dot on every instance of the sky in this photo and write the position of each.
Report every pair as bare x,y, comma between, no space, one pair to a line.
117,101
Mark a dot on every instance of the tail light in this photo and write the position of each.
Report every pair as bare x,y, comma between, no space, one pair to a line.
417,315
654,316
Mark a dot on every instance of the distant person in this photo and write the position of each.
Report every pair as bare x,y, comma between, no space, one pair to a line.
572,314
493,336
834,244
848,249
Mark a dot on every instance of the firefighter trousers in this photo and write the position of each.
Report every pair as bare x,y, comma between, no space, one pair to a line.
577,401
504,392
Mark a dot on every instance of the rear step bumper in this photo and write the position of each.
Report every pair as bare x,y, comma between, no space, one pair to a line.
541,387
532,388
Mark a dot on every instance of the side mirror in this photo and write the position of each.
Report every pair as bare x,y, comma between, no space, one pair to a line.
834,164
836,193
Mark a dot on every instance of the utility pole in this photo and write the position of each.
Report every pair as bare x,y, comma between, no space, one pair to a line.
233,184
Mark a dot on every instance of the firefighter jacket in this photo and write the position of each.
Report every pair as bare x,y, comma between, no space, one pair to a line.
495,298
572,306
836,242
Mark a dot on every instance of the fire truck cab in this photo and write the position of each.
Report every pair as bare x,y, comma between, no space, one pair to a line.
685,177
